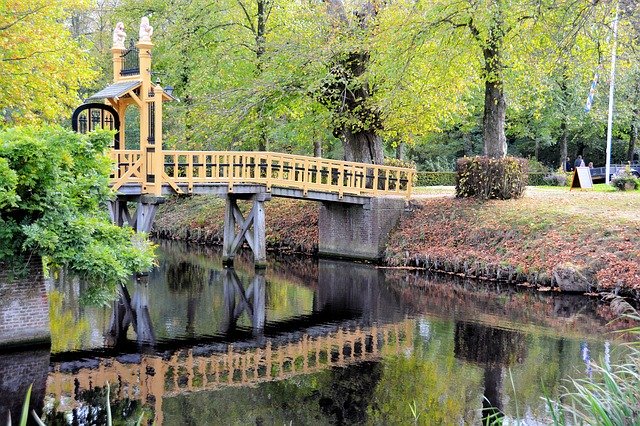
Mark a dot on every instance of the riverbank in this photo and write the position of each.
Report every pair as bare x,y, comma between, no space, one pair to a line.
551,238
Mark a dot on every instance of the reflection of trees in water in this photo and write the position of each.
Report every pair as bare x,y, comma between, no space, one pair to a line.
294,268
92,409
347,398
185,277
443,295
67,332
493,349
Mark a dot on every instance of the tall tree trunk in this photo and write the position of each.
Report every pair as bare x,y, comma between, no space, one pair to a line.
564,124
468,144
348,96
495,105
260,34
362,147
317,147
400,151
564,137
493,122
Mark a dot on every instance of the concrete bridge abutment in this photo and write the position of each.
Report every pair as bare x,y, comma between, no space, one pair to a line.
358,232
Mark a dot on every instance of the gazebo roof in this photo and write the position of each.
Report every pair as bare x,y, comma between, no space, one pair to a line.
115,90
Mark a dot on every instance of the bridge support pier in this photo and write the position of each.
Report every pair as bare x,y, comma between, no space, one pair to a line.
357,232
142,218
256,237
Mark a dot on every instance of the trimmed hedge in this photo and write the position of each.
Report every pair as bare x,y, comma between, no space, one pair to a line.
449,179
491,178
435,178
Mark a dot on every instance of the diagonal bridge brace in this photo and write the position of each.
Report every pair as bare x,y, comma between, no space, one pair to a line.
250,229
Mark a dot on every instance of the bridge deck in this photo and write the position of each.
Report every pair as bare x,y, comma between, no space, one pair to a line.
222,172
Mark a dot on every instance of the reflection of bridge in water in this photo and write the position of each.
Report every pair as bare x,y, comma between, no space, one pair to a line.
343,328
150,378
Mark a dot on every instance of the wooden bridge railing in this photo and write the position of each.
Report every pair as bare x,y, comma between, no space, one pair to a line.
154,378
182,169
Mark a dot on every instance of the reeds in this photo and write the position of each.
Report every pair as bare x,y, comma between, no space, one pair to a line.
612,395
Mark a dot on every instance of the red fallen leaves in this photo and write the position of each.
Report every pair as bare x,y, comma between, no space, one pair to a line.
292,224
532,235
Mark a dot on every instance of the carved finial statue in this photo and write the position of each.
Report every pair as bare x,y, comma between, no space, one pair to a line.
119,36
145,30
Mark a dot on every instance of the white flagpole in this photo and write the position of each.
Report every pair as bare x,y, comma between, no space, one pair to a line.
611,89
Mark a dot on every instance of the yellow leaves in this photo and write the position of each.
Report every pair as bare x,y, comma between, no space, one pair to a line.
41,65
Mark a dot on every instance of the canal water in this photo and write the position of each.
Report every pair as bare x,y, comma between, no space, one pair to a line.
303,343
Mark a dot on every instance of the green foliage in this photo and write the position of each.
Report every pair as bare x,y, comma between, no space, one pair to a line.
55,184
491,178
625,180
388,161
42,65
536,179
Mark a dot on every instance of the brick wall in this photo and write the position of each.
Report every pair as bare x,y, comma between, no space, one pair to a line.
24,306
18,370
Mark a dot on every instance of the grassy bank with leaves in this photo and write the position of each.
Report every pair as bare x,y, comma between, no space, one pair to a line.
550,235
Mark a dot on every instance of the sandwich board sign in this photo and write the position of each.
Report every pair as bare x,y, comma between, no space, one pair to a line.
581,178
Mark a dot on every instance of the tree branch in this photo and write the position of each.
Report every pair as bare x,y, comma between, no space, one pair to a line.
22,18
246,14
22,58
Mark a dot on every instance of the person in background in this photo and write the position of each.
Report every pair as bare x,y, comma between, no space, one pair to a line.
590,165
567,165
579,162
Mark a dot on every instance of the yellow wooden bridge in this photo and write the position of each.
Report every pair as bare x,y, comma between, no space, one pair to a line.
164,172
146,174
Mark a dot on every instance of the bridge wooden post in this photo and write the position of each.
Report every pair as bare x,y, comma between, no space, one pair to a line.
142,219
256,239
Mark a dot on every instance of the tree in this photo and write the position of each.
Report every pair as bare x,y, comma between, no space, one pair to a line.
42,66
244,70
499,42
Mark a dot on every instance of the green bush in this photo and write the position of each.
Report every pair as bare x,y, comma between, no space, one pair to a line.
537,179
389,161
449,179
435,178
53,187
491,178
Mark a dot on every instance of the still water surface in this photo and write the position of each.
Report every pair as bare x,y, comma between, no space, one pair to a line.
306,343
